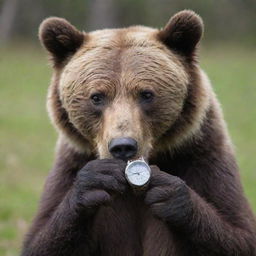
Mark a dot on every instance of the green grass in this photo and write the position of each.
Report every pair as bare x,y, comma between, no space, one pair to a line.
27,139
232,73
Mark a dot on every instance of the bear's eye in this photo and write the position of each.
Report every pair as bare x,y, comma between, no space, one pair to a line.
146,96
97,98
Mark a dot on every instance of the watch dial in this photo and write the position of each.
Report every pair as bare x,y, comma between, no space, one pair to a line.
138,173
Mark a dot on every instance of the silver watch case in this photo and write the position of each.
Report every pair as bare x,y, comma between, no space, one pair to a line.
140,166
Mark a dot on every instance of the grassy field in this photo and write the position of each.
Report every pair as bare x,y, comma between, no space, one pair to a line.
27,138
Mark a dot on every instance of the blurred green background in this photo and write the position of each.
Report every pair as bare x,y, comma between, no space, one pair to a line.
27,139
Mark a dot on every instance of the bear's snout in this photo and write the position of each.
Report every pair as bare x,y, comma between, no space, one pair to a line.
123,148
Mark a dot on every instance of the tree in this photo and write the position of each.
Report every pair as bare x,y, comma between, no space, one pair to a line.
7,19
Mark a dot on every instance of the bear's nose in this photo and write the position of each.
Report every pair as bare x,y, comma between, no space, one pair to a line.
123,148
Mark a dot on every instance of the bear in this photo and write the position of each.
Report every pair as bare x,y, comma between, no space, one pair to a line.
120,94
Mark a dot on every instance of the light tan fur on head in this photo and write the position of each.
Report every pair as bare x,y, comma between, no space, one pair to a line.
128,63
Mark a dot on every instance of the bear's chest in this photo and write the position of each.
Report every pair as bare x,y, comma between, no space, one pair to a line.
127,227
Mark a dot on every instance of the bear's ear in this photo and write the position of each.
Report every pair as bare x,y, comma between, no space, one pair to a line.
60,38
182,32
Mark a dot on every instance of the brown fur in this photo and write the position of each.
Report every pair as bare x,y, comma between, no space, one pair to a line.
194,204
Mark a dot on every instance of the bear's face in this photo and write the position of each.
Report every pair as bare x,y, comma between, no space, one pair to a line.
120,83
123,87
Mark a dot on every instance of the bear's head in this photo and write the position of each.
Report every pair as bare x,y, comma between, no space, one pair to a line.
128,92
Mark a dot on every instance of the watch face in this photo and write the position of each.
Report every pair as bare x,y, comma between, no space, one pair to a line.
138,173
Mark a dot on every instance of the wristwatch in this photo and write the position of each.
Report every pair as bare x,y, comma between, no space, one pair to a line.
138,173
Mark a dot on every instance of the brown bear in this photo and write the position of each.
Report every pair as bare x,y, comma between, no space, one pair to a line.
120,94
